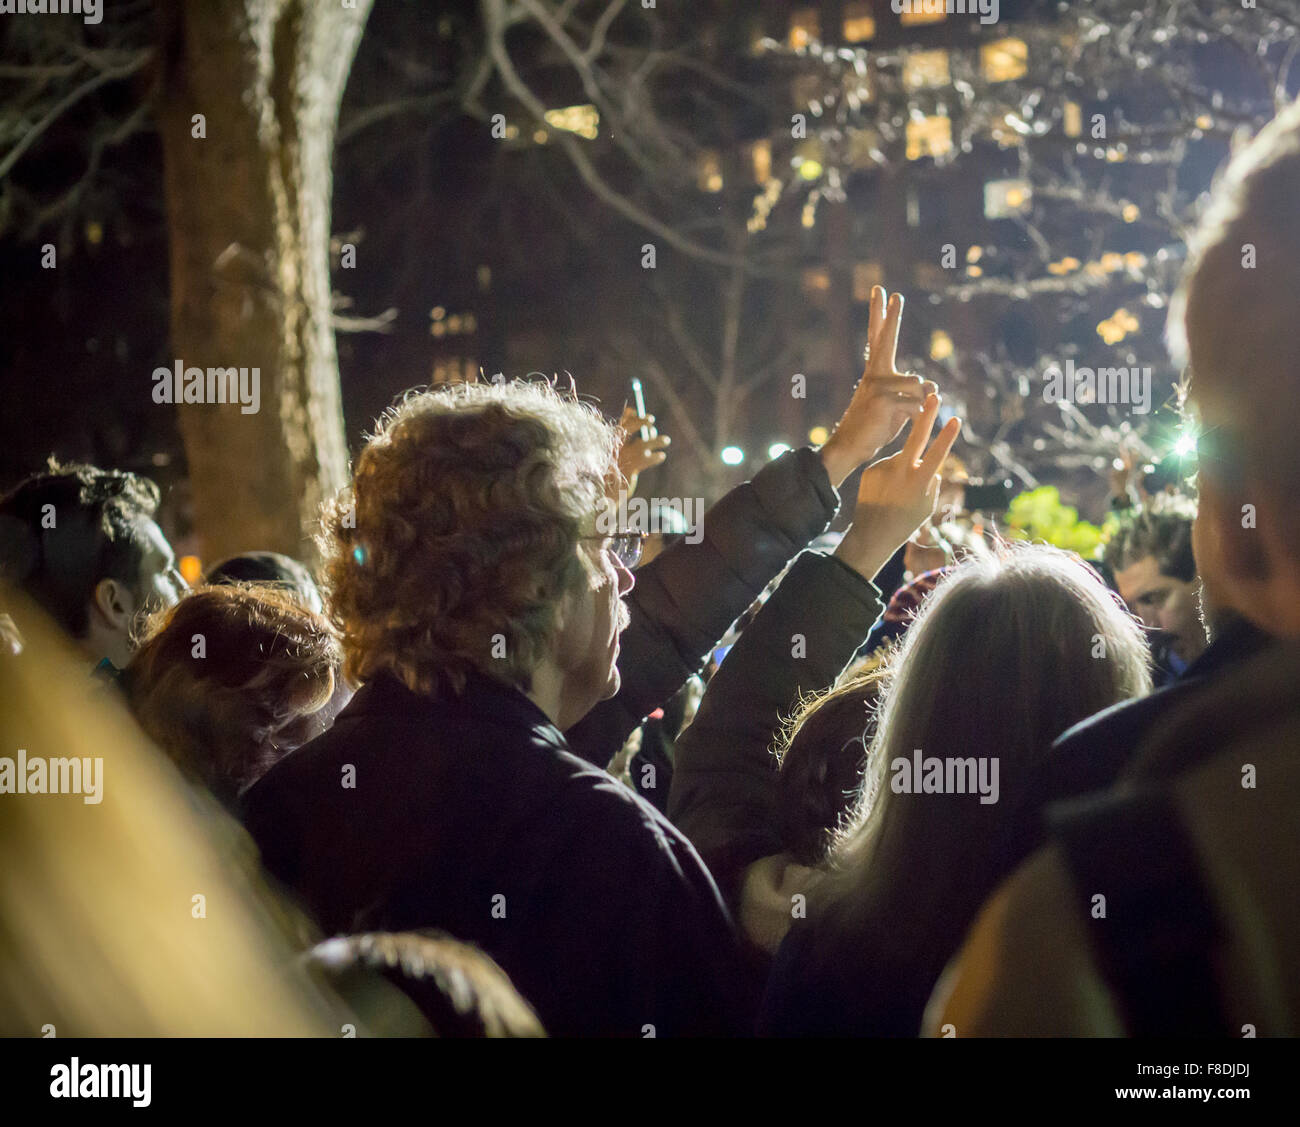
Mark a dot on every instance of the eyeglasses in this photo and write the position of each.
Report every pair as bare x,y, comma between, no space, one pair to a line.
626,546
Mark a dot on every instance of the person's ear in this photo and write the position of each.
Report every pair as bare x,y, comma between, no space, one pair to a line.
1246,548
113,604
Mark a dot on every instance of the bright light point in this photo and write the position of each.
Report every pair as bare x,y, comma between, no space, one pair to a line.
818,436
777,449
810,169
1185,446
732,455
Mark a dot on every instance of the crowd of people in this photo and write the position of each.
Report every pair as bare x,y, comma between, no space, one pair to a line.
936,783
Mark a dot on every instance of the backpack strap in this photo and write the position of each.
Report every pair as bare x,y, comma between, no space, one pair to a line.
1157,942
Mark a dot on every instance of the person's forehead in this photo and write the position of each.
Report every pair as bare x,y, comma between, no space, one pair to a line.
1139,577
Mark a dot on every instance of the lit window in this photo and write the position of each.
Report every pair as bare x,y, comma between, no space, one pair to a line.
1073,119
582,120
917,12
1006,198
762,153
816,280
1004,59
805,27
925,68
859,23
940,345
929,137
709,173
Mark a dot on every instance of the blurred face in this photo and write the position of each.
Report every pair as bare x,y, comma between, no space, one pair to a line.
118,608
1164,603
161,584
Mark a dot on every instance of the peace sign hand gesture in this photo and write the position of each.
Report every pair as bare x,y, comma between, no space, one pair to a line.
884,399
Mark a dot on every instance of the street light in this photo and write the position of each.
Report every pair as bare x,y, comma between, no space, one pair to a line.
732,455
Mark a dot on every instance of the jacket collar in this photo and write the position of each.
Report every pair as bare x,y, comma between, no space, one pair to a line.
484,700
1239,641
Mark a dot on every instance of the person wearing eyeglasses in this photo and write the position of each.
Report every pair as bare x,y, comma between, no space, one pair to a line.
83,543
479,596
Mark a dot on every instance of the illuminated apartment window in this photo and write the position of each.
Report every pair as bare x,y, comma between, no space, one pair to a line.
1073,119
1003,60
708,173
917,12
859,23
762,154
866,275
925,68
941,346
1006,198
816,280
929,137
805,27
582,120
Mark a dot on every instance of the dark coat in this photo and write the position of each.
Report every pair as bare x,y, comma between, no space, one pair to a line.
1095,752
724,788
470,814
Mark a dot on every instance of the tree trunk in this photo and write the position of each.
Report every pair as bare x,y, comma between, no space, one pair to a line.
248,212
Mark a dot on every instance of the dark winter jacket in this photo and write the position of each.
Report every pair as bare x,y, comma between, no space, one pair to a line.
724,795
1093,754
470,814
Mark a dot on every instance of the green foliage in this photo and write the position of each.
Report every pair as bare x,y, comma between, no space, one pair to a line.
1039,515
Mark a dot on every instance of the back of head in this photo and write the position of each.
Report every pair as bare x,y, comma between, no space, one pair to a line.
822,752
1233,319
269,569
231,679
458,539
1005,655
1232,323
65,529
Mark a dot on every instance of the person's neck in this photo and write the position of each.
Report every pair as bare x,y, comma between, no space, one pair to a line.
554,696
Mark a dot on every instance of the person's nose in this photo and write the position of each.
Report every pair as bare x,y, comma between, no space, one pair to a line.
626,580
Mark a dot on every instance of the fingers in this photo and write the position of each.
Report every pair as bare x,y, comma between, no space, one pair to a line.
922,425
903,387
941,448
631,422
875,323
656,442
884,356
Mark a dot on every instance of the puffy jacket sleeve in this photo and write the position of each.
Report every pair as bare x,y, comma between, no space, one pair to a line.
723,795
687,597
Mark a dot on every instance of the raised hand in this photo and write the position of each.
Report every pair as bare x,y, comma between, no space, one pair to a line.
898,494
884,399
639,454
